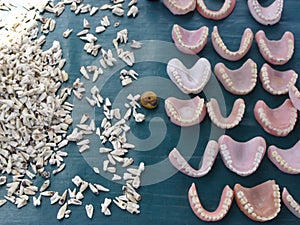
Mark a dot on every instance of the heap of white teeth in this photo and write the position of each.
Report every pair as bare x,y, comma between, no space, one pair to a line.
35,116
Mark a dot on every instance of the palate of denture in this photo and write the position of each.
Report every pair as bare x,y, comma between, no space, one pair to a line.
286,160
235,117
180,7
277,82
242,158
189,81
290,202
294,95
219,213
220,14
209,156
276,52
260,203
185,112
240,81
224,52
279,121
269,15
189,41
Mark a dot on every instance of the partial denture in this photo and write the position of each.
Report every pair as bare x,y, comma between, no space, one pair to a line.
294,95
269,15
277,82
279,121
209,156
220,14
240,81
230,121
185,112
286,160
189,41
224,52
189,81
260,203
290,202
180,7
276,52
219,213
242,158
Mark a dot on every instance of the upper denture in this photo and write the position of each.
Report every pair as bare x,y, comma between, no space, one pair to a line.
189,41
220,14
180,7
276,52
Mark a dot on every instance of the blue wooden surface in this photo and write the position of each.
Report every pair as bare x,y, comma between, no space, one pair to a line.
164,199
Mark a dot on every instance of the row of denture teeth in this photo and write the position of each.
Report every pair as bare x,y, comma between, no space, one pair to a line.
218,13
283,163
276,15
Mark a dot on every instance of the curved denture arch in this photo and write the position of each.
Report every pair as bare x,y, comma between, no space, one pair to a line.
279,121
269,15
220,14
260,203
209,156
235,117
277,82
219,213
240,81
180,7
286,160
224,52
189,41
290,202
294,95
185,112
189,81
242,158
276,52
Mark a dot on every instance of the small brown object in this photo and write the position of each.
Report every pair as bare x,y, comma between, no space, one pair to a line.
149,100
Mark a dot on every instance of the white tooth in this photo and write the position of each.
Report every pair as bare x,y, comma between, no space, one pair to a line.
89,210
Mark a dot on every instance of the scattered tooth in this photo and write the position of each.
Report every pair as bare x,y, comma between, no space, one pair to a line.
47,193
74,201
2,202
133,11
89,210
63,197
79,196
106,6
118,11
93,189
105,205
136,44
96,170
67,33
94,10
105,21
83,142
59,169
84,148
77,180
84,72
55,198
116,177
45,185
100,29
83,32
86,24
101,188
72,193
61,211
2,180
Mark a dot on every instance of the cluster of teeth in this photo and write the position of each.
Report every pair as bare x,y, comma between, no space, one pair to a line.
271,17
221,122
236,89
202,213
293,203
200,43
267,82
174,3
270,125
183,165
268,52
227,157
175,113
205,76
243,46
281,162
214,14
250,209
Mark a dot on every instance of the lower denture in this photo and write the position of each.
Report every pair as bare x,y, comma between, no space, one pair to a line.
219,213
260,203
220,14
180,7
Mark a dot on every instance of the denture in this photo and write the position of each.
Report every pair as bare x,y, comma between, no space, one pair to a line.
269,15
242,158
276,52
220,14
209,156
189,81
279,121
277,82
224,52
260,203
189,41
230,121
294,95
290,202
219,213
185,112
286,160
240,81
180,7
